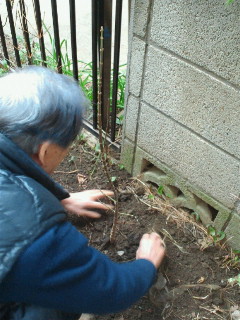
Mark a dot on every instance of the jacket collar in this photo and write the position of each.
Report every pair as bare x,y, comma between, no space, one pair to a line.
15,160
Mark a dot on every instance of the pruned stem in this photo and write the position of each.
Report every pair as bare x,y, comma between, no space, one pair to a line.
103,149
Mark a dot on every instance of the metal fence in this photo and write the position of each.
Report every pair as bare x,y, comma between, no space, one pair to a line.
102,13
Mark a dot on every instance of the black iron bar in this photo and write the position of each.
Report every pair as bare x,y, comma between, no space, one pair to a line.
95,60
3,41
56,35
40,31
117,39
25,31
13,32
73,38
88,126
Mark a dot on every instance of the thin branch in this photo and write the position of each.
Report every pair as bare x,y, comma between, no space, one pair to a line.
103,149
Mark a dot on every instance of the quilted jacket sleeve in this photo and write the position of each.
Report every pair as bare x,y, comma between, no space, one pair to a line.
59,270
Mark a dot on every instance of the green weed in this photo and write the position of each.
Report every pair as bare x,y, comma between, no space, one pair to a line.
160,190
216,235
196,216
232,259
3,67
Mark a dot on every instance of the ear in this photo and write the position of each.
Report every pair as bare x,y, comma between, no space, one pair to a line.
43,152
41,155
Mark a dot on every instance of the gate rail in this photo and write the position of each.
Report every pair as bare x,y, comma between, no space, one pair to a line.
102,13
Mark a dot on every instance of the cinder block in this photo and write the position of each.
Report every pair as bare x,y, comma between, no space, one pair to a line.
131,116
127,154
140,19
204,32
200,163
221,219
233,232
237,205
180,192
193,98
136,66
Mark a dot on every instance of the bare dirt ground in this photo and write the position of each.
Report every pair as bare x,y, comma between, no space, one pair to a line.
196,270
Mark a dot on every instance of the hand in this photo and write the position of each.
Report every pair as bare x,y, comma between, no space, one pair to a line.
151,248
86,203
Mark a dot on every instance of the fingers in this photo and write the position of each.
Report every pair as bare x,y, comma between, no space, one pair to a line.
90,214
152,248
99,194
96,205
92,195
152,235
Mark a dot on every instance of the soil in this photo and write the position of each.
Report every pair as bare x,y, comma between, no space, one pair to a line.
196,269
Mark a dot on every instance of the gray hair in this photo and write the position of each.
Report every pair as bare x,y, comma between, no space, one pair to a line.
37,105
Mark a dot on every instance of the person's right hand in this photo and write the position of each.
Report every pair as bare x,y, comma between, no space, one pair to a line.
151,248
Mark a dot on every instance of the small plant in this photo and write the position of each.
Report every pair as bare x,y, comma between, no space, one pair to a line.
160,190
72,159
3,67
151,196
216,235
195,215
232,259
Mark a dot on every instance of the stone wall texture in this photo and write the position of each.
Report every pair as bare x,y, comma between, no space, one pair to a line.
182,114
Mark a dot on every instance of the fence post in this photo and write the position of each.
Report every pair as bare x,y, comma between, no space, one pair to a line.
3,41
73,38
13,32
25,31
56,35
40,30
117,39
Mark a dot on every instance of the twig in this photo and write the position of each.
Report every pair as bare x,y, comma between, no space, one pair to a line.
101,142
167,234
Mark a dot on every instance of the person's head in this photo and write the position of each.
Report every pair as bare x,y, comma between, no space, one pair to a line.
41,110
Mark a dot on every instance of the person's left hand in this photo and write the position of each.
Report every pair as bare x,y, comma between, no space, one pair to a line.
86,203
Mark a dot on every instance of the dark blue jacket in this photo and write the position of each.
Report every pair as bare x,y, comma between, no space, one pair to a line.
46,264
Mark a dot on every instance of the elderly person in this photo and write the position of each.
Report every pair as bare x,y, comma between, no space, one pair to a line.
47,269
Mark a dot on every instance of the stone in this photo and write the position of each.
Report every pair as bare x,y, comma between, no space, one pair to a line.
236,315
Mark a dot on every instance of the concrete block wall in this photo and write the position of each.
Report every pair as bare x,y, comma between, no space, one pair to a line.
182,118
